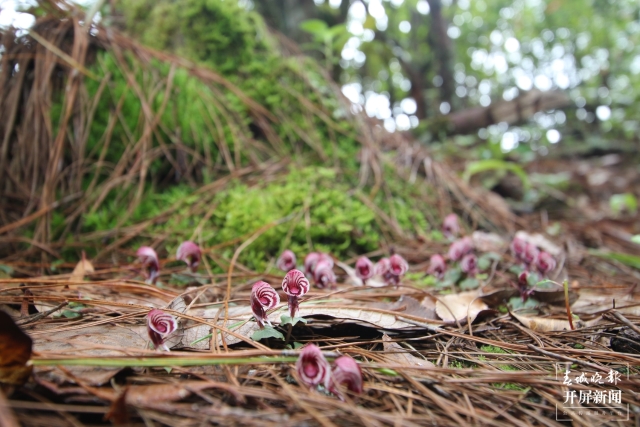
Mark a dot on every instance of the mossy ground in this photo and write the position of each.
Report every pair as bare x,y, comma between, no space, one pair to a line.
202,132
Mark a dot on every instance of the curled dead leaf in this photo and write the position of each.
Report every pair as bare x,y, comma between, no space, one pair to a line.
81,269
455,308
544,324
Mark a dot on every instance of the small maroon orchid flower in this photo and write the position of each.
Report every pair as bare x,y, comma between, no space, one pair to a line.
398,266
460,248
450,226
263,298
437,266
295,285
159,326
530,254
323,274
312,367
364,269
149,260
545,262
391,269
190,253
518,246
310,262
523,285
287,261
325,258
469,265
346,373
382,267
523,279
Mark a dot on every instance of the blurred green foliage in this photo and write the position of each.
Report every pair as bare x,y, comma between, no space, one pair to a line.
498,49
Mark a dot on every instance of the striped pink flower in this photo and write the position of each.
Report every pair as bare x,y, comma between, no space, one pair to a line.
190,253
364,269
437,266
450,226
460,248
346,374
295,285
287,261
469,265
530,254
323,275
310,262
382,266
518,246
159,326
263,298
545,262
149,259
312,367
398,266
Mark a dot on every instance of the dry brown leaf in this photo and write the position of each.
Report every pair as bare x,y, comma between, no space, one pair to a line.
395,353
488,242
81,269
367,317
149,395
495,298
591,302
321,315
102,341
543,324
454,308
540,241
15,352
410,306
118,414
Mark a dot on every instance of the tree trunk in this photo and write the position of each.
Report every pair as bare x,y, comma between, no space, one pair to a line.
511,112
443,48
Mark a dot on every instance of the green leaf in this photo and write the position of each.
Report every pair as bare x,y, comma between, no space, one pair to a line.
621,202
387,371
516,303
636,239
496,165
267,332
5,271
74,304
284,320
626,259
452,275
55,264
336,30
314,26
469,283
485,261
543,284
70,314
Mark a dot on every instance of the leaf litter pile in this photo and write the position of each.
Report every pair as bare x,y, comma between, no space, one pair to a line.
490,325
